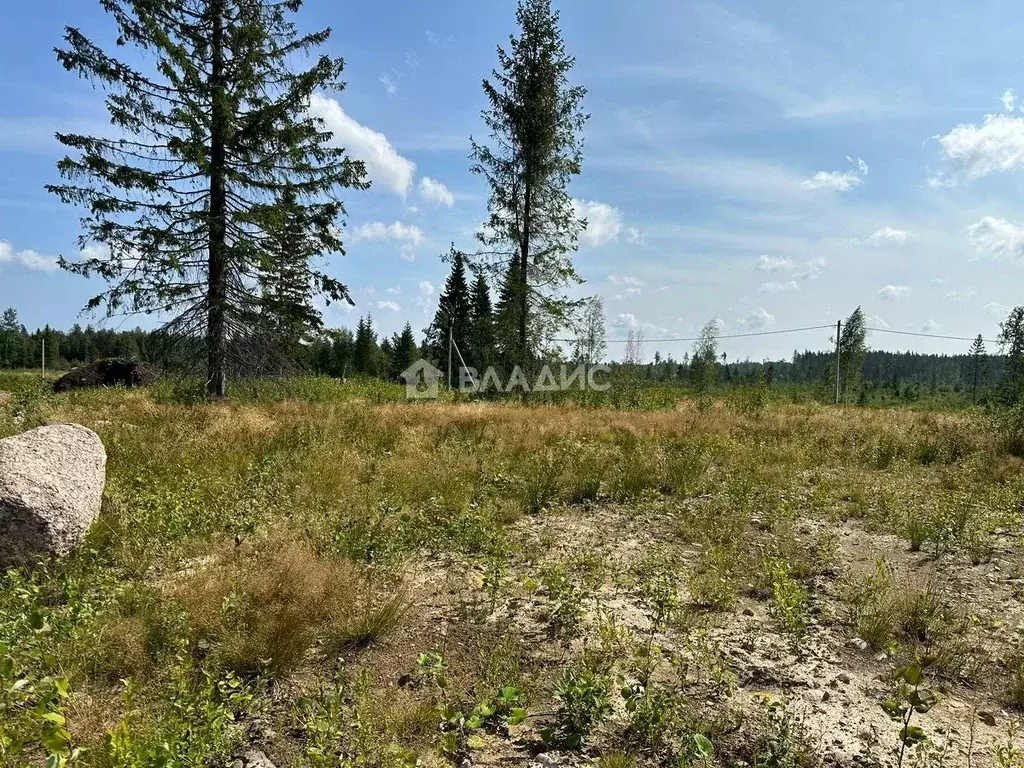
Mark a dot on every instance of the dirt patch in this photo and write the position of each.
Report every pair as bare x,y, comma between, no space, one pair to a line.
836,684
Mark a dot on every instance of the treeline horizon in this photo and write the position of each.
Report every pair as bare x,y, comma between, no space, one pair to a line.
345,352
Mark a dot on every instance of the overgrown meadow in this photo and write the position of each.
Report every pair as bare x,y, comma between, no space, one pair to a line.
337,577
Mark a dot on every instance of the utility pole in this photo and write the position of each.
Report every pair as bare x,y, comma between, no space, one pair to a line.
451,340
974,397
839,330
44,355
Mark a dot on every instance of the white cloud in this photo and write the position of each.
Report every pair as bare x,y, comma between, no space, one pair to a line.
789,285
604,222
426,288
810,269
838,181
997,310
635,237
383,163
890,235
412,61
628,321
800,270
627,293
409,235
758,318
378,230
389,305
930,326
960,295
435,39
436,192
876,321
893,292
617,279
997,237
631,286
766,263
395,291
1008,99
974,151
388,81
28,258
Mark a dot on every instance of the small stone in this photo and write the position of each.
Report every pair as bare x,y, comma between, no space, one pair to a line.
254,758
826,696
544,760
748,611
860,643
844,678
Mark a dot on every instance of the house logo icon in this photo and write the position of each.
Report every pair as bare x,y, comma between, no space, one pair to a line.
421,381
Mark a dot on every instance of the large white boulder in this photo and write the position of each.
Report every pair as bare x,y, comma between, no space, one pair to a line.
51,485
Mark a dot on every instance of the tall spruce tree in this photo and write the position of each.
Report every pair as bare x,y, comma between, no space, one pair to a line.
481,325
403,351
454,311
535,122
366,356
183,207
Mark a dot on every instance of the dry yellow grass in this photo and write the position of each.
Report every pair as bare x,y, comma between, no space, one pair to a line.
271,540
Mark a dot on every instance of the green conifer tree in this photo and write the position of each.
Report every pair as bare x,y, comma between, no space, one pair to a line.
1011,339
212,131
404,351
454,312
366,356
481,345
535,120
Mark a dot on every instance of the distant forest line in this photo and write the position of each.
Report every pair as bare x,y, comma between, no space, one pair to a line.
340,353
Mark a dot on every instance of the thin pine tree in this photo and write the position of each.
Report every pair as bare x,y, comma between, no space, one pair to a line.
535,121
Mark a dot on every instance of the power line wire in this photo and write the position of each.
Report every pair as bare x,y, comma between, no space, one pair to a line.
930,335
723,336
793,330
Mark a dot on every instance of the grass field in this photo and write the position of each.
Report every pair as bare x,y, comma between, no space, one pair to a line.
339,578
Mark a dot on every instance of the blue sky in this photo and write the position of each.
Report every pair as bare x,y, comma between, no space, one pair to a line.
770,164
